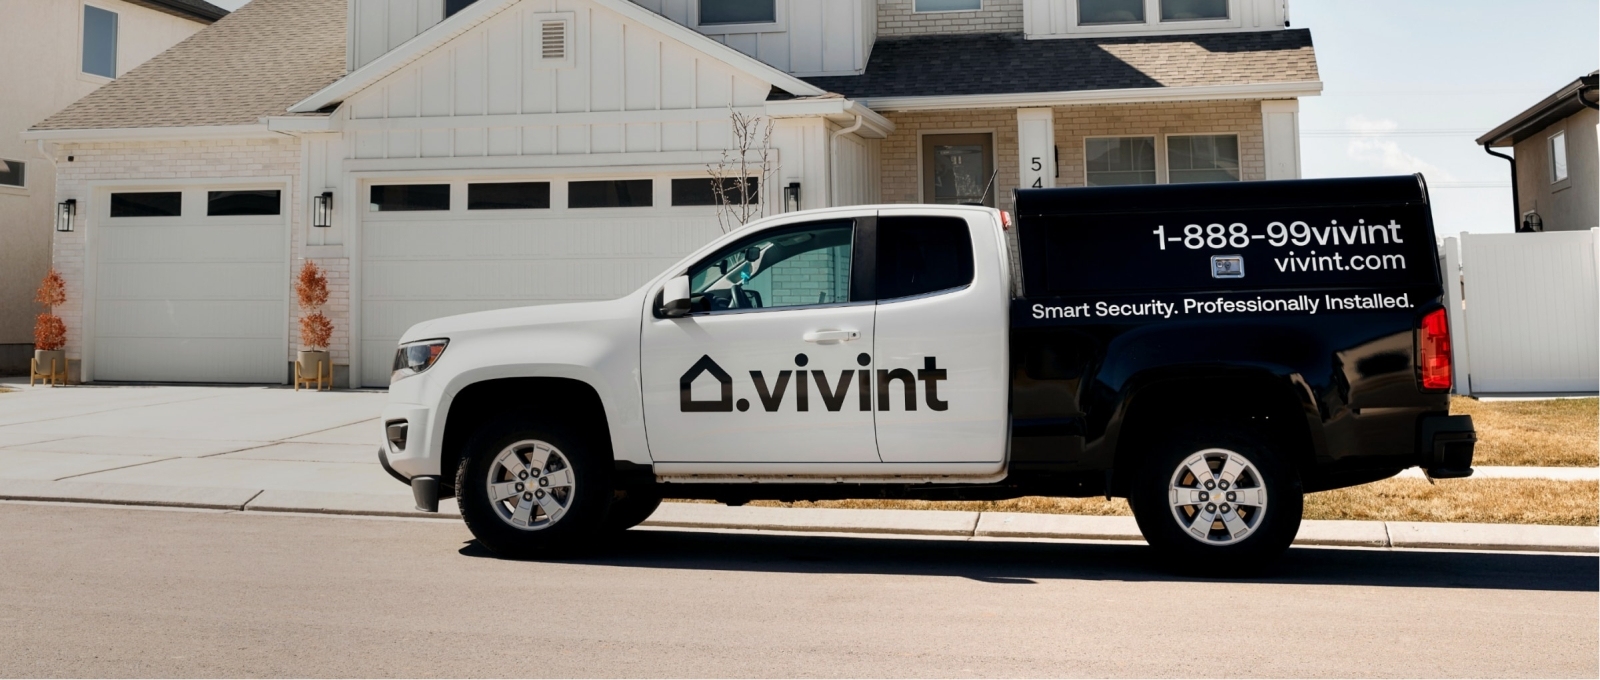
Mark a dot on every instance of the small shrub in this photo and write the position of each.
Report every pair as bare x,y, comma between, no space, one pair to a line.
311,290
49,331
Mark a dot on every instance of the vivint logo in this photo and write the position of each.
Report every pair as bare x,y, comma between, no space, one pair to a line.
833,392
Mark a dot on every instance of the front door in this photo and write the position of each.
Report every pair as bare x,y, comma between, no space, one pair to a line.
772,364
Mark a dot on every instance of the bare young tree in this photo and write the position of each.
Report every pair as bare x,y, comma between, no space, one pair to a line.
743,171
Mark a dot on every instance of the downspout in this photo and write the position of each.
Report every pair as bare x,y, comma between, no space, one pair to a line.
833,158
1516,205
1585,100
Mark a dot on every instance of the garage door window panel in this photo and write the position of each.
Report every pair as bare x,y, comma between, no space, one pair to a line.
237,203
703,191
622,193
409,197
147,204
509,196
789,267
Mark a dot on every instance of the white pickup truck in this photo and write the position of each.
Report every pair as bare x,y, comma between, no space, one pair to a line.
897,352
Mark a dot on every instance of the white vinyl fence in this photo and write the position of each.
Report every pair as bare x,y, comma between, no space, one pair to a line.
1525,313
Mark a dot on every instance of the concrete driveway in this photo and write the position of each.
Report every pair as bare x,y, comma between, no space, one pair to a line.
251,442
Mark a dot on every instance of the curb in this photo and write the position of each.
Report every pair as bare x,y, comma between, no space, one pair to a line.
1016,525
945,523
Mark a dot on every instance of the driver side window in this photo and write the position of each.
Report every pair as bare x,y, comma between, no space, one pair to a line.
785,267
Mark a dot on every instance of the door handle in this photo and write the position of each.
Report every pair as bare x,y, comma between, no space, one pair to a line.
830,336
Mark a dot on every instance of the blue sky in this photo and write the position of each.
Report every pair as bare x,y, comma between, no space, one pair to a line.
1408,84
1421,79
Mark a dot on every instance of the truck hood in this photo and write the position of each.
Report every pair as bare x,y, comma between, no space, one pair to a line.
523,317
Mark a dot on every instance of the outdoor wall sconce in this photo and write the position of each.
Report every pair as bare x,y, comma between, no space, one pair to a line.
65,210
1532,222
322,210
791,197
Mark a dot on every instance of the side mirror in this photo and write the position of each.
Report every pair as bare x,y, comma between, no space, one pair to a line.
675,297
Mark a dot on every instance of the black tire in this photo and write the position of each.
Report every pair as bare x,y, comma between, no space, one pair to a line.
1270,528
630,507
576,527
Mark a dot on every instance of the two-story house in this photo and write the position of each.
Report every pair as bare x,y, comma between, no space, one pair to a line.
445,156
1555,161
57,51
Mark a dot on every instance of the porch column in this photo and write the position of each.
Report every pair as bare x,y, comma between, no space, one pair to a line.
1036,148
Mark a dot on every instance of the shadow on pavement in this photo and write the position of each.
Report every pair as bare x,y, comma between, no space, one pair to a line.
1022,563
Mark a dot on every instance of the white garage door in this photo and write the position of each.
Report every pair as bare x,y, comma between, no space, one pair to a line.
471,252
191,285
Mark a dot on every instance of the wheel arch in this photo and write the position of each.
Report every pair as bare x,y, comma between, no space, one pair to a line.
1275,404
569,401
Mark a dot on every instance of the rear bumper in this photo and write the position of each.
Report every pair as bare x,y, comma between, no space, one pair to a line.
1446,444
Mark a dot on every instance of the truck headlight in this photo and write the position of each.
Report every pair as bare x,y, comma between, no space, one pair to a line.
415,357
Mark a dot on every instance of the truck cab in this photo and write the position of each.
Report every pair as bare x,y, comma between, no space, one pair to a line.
1109,342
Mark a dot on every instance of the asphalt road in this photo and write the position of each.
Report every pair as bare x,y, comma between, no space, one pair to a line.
107,591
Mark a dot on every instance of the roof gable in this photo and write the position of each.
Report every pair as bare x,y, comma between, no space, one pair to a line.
479,12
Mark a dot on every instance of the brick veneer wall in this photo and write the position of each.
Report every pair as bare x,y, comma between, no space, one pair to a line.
896,17
1074,123
183,161
900,152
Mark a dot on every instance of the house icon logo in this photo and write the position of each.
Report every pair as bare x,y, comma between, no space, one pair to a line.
724,401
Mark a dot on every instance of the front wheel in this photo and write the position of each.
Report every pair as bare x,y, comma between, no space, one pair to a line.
528,490
1219,502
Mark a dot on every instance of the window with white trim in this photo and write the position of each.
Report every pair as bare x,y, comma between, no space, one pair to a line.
13,173
1113,161
1202,158
1558,157
722,12
946,5
1151,12
99,42
1194,10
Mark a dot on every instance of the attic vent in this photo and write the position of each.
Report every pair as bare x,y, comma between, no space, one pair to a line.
553,40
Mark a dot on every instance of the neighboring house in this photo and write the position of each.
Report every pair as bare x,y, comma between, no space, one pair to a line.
57,51
445,156
1555,162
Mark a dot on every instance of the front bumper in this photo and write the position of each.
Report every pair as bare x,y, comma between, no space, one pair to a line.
1446,444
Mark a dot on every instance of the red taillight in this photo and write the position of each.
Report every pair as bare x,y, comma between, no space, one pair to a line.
1005,221
1433,350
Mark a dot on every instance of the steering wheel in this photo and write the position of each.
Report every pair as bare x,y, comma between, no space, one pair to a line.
748,298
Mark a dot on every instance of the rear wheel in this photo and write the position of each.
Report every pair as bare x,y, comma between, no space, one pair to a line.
1217,501
527,490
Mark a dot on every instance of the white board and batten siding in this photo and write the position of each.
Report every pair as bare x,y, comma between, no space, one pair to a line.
188,298
620,87
1531,313
377,26
809,38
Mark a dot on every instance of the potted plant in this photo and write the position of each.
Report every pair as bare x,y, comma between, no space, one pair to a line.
50,332
313,364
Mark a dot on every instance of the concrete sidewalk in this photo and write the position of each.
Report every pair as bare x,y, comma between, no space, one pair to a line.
273,449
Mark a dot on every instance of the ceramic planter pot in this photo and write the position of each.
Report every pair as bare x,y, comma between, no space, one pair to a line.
45,356
310,360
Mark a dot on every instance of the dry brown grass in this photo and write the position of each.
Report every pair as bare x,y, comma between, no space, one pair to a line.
1496,501
1550,432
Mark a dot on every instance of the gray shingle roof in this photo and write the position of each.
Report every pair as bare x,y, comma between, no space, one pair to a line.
189,9
1006,63
255,62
